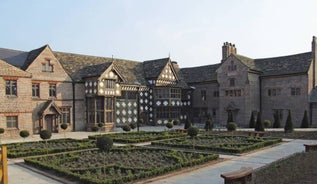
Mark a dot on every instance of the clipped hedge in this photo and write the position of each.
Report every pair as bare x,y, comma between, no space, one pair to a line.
249,144
16,150
137,137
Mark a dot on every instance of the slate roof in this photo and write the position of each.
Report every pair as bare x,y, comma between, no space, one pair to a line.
200,74
32,56
47,105
81,66
153,68
7,69
14,57
298,63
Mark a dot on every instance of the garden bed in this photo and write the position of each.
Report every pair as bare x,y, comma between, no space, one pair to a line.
124,164
24,149
142,136
228,144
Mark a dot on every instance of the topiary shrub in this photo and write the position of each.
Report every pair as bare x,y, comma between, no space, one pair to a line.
24,134
175,122
169,125
208,125
267,123
104,143
192,131
288,128
187,124
45,134
259,124
126,128
232,126
305,121
277,120
252,121
94,128
64,127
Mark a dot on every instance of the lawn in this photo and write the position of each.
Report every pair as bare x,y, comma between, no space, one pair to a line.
123,164
219,143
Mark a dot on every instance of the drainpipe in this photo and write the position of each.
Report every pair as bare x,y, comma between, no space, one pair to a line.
74,105
260,93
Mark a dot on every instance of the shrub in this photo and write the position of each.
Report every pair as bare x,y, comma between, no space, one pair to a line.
267,123
252,121
45,134
277,120
104,143
126,128
100,125
24,134
192,131
208,125
64,126
94,128
305,121
259,124
232,126
187,124
132,125
288,128
176,122
169,125
1,130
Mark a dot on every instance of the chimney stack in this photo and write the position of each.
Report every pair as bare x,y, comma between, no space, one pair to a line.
314,56
227,49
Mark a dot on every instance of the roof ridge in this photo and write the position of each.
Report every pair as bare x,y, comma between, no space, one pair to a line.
302,53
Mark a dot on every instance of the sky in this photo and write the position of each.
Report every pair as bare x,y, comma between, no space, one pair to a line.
191,32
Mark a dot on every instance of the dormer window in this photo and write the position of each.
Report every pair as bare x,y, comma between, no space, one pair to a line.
47,66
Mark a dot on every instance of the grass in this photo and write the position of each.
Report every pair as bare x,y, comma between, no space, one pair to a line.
298,168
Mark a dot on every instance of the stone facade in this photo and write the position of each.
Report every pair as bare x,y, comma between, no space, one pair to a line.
48,88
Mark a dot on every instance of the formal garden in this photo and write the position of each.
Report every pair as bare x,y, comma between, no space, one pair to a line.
118,165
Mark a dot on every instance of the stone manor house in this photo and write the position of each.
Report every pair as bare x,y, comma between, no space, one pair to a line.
42,88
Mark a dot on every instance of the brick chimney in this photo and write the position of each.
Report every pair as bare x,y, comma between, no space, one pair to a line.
227,49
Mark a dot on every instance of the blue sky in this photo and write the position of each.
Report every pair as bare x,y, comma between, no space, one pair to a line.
190,31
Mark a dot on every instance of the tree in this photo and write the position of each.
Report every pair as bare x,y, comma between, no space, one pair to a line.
231,126
104,144
305,121
288,128
24,134
45,135
64,127
187,124
126,128
259,124
169,125
175,122
192,131
230,117
208,124
277,120
252,121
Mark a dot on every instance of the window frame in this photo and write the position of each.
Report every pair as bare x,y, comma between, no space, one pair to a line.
11,87
12,122
52,90
35,90
47,66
